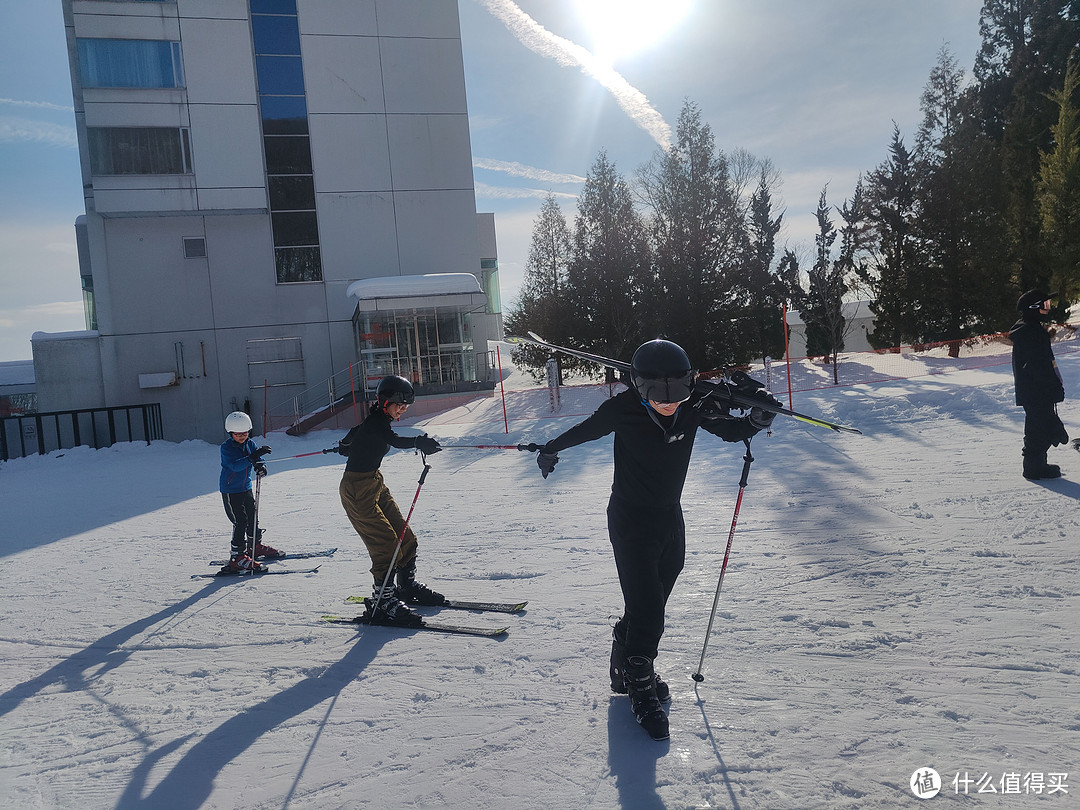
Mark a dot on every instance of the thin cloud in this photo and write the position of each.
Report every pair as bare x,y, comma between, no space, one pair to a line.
26,131
515,169
538,39
487,192
42,105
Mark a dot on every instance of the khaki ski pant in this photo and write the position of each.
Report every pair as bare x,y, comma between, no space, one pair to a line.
377,519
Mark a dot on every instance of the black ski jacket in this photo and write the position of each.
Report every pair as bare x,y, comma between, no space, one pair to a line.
367,443
652,453
1035,372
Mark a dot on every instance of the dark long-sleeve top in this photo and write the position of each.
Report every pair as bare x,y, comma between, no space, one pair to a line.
367,443
1035,372
651,456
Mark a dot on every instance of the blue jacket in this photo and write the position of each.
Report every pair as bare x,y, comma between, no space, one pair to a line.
236,466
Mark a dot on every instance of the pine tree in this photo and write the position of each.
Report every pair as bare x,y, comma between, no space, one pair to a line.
541,304
610,269
696,232
1059,192
824,312
762,326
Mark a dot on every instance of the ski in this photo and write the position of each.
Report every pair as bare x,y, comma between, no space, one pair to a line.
459,604
722,390
258,573
300,555
438,627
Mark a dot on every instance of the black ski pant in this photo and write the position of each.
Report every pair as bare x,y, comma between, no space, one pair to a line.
650,548
1042,428
240,509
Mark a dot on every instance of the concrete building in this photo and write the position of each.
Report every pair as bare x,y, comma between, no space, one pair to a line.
248,163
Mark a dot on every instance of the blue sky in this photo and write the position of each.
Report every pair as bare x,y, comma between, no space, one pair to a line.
813,87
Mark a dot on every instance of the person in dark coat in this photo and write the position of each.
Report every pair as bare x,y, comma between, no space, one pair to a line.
373,512
1038,385
655,423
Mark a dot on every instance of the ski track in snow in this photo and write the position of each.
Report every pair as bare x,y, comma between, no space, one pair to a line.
893,601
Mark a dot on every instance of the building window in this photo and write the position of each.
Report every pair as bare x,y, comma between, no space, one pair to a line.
489,280
290,179
130,63
139,150
430,347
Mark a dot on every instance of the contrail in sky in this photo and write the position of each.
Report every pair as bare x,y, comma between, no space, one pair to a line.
484,191
515,169
46,105
568,54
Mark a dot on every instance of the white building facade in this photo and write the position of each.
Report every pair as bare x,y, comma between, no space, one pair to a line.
244,163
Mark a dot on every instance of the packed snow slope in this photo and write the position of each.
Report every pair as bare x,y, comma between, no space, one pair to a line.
895,601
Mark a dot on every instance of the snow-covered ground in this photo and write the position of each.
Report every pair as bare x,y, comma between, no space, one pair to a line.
896,601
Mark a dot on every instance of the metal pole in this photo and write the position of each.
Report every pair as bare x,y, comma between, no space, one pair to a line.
401,538
747,461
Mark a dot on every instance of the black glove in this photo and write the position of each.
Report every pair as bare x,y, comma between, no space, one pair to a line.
258,454
427,445
761,418
711,408
260,469
546,461
341,449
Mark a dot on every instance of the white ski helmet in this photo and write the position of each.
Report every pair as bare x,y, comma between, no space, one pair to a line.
237,422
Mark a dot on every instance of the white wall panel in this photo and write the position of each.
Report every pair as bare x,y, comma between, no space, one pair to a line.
350,152
441,229
358,235
419,18
342,74
430,152
219,61
226,145
338,17
423,76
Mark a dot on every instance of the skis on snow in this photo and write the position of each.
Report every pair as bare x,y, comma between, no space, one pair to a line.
435,626
265,573
300,555
459,604
722,390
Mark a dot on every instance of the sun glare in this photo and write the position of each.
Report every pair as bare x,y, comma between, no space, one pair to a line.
620,27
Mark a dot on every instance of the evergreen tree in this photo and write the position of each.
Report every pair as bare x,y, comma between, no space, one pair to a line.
893,272
696,231
1059,192
824,311
762,326
610,269
541,304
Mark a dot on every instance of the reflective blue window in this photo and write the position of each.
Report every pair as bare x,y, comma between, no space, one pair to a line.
273,6
130,63
278,35
280,75
284,115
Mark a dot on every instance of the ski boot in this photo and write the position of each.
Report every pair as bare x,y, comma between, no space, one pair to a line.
412,592
263,552
389,609
242,564
640,684
618,666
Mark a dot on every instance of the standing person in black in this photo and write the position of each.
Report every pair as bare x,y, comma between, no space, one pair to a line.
1038,385
374,513
655,423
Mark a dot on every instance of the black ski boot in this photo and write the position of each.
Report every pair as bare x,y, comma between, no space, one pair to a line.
618,666
641,685
389,609
412,592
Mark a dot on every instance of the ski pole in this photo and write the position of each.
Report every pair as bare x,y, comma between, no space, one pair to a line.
254,545
531,447
302,455
401,538
747,461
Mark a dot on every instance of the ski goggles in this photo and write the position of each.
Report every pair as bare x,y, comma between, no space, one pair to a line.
666,389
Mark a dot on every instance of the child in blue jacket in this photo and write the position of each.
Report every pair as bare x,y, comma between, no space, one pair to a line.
239,456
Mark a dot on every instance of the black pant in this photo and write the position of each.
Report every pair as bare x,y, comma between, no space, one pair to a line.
1042,428
650,548
240,508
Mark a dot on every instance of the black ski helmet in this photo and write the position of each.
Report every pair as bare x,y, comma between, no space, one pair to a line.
661,372
395,390
1032,300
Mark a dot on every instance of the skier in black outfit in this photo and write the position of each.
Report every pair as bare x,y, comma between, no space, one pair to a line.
373,512
1038,385
655,423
